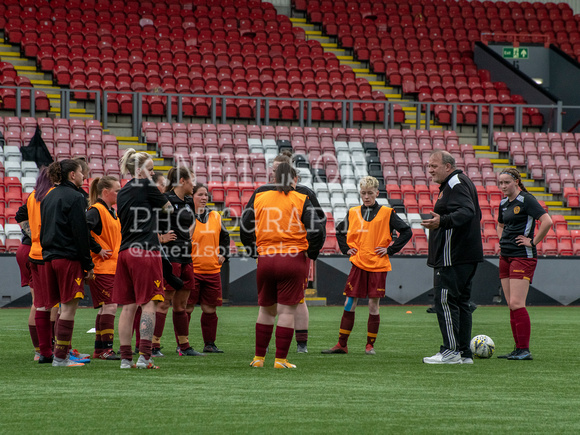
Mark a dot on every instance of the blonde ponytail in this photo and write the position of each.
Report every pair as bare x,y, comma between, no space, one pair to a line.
132,160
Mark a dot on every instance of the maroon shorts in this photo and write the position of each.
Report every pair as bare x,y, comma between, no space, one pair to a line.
40,294
281,278
24,265
138,278
102,289
363,284
207,290
517,268
65,281
185,272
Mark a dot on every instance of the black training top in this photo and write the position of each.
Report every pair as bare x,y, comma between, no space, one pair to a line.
457,240
519,218
182,218
22,216
64,232
139,205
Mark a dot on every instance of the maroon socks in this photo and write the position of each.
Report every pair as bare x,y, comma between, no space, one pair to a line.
34,337
159,326
107,328
263,336
44,332
64,331
284,338
523,328
209,327
346,324
181,327
301,335
144,349
373,328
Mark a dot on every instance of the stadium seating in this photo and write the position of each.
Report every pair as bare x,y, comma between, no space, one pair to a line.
9,77
551,157
244,48
234,159
426,48
64,139
240,49
332,160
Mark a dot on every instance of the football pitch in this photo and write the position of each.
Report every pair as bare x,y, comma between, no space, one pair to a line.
391,392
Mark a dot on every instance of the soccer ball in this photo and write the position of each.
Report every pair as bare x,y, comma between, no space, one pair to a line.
482,346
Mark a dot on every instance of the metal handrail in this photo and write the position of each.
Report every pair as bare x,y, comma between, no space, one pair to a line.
304,110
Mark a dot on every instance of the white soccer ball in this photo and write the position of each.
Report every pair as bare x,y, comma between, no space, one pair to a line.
482,346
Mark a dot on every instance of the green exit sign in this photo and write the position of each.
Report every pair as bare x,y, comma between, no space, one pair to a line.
515,53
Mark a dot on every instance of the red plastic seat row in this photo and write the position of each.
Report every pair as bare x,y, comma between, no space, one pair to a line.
425,61
63,127
132,68
120,105
250,85
241,131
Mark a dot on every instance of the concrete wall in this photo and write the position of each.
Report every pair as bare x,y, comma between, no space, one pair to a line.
536,65
565,74
410,281
283,7
518,76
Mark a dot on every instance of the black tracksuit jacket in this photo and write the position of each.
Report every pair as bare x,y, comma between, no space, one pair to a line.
64,232
458,238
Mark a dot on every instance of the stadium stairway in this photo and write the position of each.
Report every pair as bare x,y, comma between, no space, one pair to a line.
78,110
553,202
26,67
361,70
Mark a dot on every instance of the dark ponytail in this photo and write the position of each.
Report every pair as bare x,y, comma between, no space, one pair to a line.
284,177
175,174
515,174
43,184
58,171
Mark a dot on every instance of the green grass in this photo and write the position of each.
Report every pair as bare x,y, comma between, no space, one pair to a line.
392,392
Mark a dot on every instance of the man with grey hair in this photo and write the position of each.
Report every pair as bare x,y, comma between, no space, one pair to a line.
455,248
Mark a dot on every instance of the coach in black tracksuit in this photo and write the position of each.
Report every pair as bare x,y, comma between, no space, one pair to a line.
454,250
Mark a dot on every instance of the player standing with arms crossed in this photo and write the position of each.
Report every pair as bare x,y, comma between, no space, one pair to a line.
181,224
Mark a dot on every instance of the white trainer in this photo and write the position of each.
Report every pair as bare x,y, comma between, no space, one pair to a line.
67,362
439,358
143,363
466,360
127,364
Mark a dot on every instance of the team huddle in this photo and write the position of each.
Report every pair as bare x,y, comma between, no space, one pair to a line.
162,246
